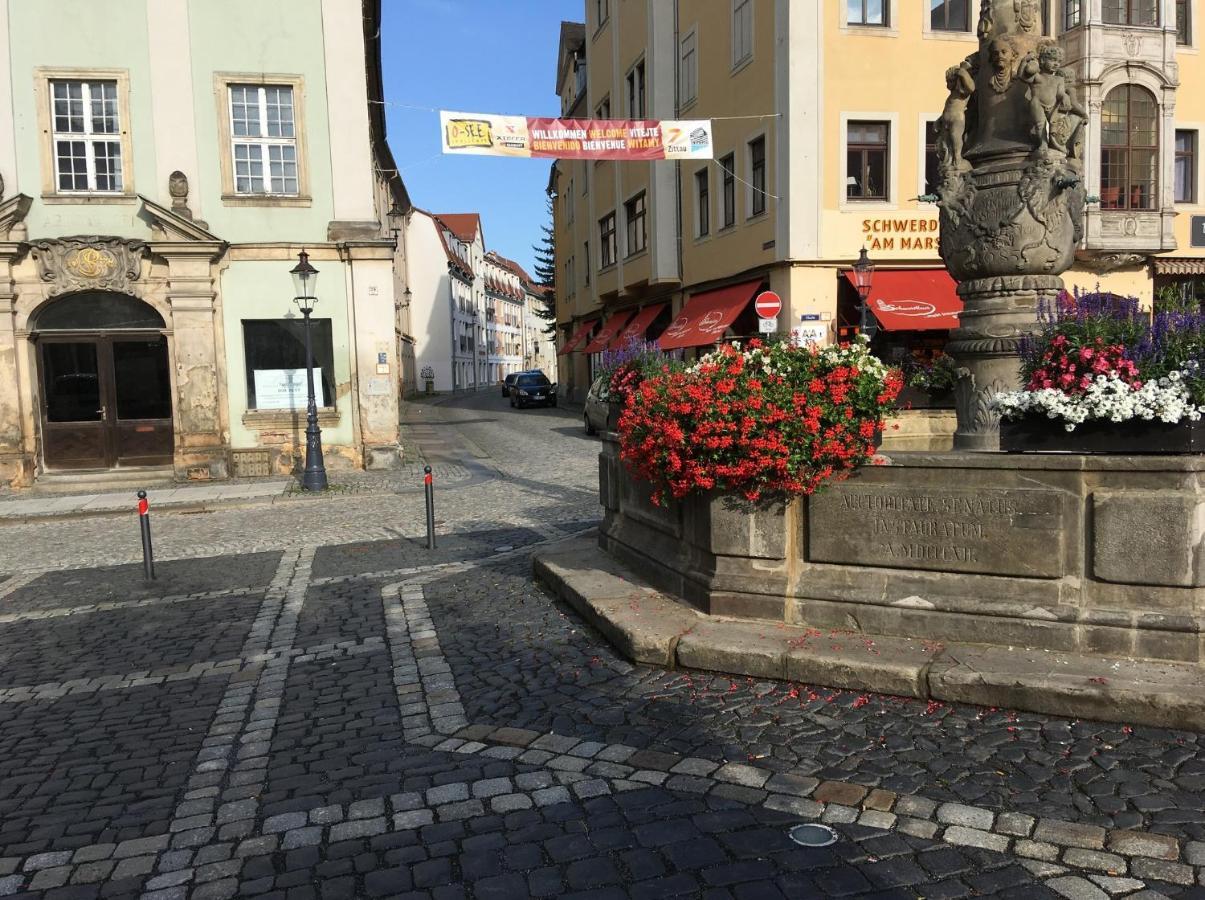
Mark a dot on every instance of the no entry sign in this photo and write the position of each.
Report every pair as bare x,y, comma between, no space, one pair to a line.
768,305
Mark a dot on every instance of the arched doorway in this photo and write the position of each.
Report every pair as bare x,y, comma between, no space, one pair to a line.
106,385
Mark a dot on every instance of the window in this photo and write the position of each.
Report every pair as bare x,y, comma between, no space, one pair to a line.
867,12
636,91
1186,167
702,202
604,109
275,358
263,139
602,9
949,15
569,204
1131,12
689,69
1072,14
633,214
606,237
931,130
1183,22
742,31
570,277
866,161
87,142
1129,145
728,197
586,258
757,176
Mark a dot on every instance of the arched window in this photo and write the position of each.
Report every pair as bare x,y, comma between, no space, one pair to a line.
97,311
1129,149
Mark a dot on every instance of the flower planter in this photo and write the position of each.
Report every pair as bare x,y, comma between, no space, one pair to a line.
1038,434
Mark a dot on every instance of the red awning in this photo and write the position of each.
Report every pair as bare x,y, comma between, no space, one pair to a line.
913,300
606,334
638,326
578,336
707,316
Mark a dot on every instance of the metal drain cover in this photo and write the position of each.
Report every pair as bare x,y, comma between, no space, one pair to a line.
811,835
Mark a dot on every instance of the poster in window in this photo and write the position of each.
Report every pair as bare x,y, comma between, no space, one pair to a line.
285,389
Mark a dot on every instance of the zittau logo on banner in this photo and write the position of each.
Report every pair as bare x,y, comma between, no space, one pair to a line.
621,139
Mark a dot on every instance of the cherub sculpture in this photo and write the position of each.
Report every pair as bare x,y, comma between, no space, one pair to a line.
952,125
1051,103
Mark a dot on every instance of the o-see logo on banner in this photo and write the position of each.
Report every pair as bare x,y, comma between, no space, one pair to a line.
917,309
680,327
712,323
469,133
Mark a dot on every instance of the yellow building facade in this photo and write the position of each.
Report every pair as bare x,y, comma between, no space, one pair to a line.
823,117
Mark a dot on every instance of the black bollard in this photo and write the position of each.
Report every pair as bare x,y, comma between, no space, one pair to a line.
430,490
144,522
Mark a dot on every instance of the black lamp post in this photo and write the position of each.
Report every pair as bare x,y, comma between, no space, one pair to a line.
863,277
305,278
395,217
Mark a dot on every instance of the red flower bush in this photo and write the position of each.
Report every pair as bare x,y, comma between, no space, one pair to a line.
1066,367
767,422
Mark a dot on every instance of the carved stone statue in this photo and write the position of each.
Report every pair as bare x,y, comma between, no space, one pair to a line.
1011,199
177,187
953,123
1055,115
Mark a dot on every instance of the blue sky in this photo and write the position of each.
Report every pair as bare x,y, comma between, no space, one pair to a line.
473,56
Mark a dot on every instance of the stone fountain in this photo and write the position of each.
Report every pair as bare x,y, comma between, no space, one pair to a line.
1011,196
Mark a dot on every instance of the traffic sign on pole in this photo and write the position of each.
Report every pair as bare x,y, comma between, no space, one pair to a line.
768,305
767,326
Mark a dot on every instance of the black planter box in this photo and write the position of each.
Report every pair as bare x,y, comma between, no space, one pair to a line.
1038,434
915,398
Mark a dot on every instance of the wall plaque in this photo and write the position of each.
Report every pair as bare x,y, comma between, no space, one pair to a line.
88,263
993,532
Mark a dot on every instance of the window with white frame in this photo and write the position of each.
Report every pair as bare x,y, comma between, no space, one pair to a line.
689,68
86,135
634,217
757,176
263,139
636,91
867,12
742,31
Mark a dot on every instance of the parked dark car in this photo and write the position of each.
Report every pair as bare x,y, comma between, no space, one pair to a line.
508,381
532,388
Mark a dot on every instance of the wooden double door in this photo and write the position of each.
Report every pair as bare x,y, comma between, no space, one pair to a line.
106,401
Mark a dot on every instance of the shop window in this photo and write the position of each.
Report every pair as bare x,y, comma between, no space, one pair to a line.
1129,149
868,12
867,153
274,352
949,15
1130,12
1186,167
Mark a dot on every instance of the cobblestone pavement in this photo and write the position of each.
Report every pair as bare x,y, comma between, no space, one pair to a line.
308,703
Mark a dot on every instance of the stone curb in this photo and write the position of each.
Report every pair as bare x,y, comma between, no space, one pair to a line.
650,627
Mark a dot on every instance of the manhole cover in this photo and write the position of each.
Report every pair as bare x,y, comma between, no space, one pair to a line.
810,835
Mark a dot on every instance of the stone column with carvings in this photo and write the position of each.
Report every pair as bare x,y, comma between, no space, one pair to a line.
202,444
16,450
1011,197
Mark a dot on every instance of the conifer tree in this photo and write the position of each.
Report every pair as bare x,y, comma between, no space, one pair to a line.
545,274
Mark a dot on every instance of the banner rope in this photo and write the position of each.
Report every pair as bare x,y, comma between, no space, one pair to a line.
711,118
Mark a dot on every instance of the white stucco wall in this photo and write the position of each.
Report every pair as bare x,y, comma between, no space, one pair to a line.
430,300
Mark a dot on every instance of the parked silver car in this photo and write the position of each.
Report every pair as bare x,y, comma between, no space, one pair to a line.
597,406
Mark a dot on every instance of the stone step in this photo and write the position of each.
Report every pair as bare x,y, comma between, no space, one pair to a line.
651,627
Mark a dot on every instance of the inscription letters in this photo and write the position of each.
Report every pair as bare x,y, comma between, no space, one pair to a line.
989,531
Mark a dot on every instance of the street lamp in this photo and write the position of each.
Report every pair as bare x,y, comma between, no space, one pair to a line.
305,278
863,277
395,216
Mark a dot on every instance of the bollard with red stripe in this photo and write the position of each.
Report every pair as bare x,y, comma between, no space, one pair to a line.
144,523
429,488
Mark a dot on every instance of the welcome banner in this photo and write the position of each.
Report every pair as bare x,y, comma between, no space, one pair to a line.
486,134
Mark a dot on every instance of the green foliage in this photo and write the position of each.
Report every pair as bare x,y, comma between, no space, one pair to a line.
545,273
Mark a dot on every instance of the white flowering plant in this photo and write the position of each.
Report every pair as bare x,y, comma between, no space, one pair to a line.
1099,357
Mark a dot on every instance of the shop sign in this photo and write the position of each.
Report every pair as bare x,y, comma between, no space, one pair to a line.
285,388
901,233
1197,232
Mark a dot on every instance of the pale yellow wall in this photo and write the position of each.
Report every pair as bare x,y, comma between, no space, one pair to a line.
724,92
1190,113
